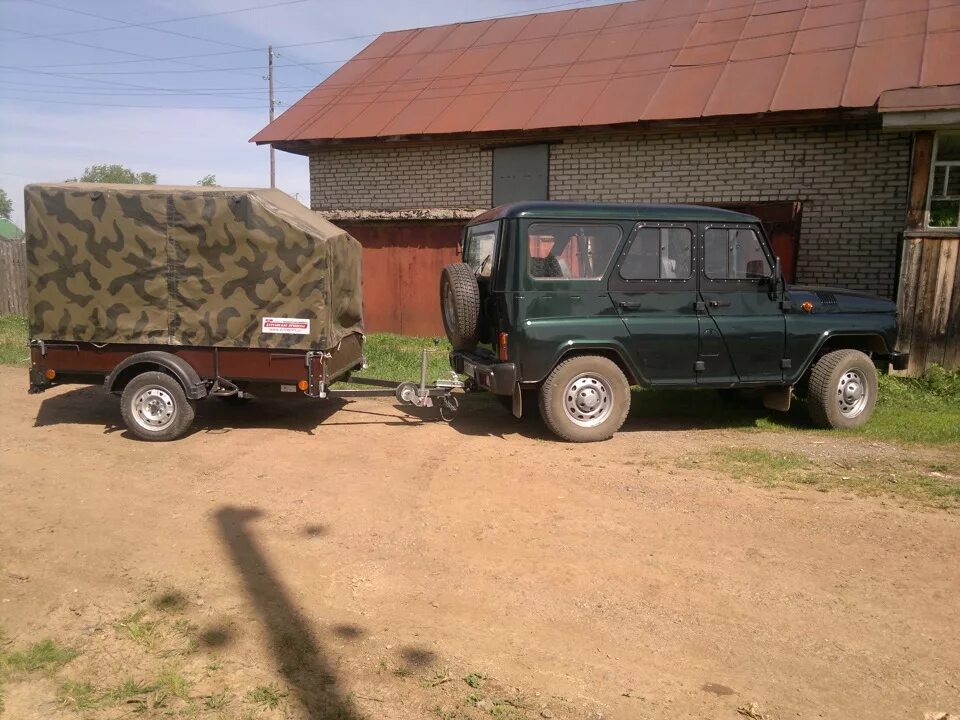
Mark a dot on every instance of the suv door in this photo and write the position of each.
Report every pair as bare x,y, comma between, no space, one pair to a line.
736,264
654,289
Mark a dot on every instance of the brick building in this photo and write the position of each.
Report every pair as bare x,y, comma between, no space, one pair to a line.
820,118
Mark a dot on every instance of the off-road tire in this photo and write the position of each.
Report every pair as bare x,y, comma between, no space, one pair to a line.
554,401
824,389
171,395
460,305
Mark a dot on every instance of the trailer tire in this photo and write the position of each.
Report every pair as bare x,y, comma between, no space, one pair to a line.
460,305
155,407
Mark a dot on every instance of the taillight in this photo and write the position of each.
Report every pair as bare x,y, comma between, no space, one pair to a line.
502,346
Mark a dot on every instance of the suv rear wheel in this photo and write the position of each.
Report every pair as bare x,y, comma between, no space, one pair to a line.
842,389
585,399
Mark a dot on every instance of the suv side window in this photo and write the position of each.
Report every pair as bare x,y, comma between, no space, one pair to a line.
570,252
734,254
659,253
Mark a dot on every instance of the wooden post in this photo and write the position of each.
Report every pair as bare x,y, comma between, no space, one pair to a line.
919,178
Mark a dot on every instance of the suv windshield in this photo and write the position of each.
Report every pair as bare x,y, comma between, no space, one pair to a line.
479,246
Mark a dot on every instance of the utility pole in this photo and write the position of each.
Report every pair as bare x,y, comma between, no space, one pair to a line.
273,160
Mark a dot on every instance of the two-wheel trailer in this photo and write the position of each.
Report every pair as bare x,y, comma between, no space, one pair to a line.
171,295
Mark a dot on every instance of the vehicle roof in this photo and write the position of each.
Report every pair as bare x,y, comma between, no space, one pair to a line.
558,209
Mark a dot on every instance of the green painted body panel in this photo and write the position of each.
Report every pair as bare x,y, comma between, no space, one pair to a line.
667,333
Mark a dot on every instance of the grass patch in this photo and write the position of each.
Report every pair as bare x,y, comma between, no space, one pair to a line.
863,476
142,631
910,410
269,696
395,357
78,696
45,655
13,340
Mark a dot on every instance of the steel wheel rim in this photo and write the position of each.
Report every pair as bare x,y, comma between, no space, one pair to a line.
154,409
852,393
588,400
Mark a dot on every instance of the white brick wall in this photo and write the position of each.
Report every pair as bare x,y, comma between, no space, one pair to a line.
851,180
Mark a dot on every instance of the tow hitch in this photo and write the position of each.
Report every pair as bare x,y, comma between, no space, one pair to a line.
407,393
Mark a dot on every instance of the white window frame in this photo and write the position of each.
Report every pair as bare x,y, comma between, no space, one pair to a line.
950,166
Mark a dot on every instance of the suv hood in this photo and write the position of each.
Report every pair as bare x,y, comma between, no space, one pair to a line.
830,299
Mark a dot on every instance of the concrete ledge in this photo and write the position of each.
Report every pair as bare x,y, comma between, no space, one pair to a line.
394,215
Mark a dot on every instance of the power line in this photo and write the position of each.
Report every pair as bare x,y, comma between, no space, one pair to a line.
150,24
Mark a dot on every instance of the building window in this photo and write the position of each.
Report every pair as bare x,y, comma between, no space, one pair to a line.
943,206
520,172
658,254
571,252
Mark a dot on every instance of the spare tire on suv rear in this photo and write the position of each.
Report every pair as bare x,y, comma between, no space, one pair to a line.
460,305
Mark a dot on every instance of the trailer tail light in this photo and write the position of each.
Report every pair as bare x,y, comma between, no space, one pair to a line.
50,374
303,385
502,346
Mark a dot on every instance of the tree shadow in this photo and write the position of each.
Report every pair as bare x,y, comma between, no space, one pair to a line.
296,651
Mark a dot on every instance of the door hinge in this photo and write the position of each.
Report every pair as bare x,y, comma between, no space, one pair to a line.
786,364
699,366
700,306
786,305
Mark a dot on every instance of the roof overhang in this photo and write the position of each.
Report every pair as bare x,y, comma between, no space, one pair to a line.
920,108
798,118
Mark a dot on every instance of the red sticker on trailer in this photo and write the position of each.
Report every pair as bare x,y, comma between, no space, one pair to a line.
287,326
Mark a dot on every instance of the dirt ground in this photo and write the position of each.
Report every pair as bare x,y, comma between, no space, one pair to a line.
367,561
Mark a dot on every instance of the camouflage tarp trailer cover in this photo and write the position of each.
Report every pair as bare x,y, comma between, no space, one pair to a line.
227,267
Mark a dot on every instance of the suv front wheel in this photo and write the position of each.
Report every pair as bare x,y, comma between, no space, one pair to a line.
585,399
842,389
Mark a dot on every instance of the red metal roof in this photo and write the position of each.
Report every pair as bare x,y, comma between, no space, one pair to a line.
630,62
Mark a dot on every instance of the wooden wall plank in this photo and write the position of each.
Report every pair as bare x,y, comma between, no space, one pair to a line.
919,177
943,291
923,313
951,354
907,294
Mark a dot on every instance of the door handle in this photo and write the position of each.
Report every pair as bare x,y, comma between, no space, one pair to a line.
629,305
719,303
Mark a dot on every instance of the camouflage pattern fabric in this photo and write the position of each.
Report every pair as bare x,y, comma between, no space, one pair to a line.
187,266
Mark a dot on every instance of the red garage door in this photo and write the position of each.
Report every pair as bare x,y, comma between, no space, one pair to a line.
401,274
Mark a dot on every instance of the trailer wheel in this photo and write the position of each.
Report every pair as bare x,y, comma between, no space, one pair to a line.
460,305
154,407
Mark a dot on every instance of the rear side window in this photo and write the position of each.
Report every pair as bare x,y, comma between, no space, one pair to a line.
571,252
734,254
659,254
479,247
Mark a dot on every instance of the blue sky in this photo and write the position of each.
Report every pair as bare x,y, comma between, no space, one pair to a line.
177,87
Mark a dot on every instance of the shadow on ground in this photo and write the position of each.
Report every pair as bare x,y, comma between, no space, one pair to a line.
93,406
480,414
650,410
298,655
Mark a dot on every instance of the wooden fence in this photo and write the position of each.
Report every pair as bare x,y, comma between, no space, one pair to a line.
929,302
13,277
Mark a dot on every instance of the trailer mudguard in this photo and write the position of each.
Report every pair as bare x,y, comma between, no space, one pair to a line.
183,371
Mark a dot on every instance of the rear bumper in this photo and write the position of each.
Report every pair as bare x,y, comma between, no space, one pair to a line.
899,360
485,372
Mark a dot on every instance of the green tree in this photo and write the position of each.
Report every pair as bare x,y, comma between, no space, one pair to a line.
6,204
115,174
208,180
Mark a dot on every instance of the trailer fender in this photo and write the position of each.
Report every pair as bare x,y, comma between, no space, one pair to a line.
151,360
